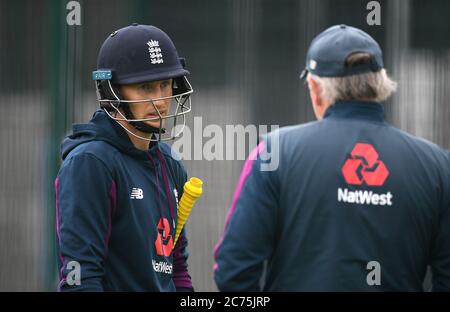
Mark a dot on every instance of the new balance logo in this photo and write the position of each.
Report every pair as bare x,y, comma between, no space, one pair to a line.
136,193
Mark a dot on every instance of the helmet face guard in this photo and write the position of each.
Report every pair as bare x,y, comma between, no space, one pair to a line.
171,124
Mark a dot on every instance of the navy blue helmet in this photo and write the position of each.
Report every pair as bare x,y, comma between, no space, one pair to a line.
138,54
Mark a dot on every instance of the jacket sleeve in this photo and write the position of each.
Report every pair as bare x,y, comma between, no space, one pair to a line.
85,198
181,277
440,262
249,229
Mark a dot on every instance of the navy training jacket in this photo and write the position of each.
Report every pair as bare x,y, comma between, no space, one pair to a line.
116,210
354,205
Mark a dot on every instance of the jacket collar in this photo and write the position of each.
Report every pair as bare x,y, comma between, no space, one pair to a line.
371,111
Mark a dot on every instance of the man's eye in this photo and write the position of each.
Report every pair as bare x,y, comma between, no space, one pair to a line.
145,87
165,84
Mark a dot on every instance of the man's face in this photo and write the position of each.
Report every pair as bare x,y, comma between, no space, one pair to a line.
149,90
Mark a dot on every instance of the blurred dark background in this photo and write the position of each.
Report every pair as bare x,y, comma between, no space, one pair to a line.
245,58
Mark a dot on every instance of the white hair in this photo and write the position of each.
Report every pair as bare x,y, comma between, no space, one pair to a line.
375,86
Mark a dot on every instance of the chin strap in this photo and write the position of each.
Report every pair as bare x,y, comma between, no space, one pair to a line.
139,125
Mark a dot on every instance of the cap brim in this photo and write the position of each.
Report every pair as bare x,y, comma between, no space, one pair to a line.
151,76
304,74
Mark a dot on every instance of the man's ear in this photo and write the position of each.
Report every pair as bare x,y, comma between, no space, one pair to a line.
314,90
319,104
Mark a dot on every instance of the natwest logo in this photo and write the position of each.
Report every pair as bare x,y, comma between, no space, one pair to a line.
364,167
364,197
164,241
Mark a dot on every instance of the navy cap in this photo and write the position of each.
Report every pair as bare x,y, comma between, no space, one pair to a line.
139,53
329,50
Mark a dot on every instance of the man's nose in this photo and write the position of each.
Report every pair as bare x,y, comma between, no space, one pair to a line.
156,99
159,104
